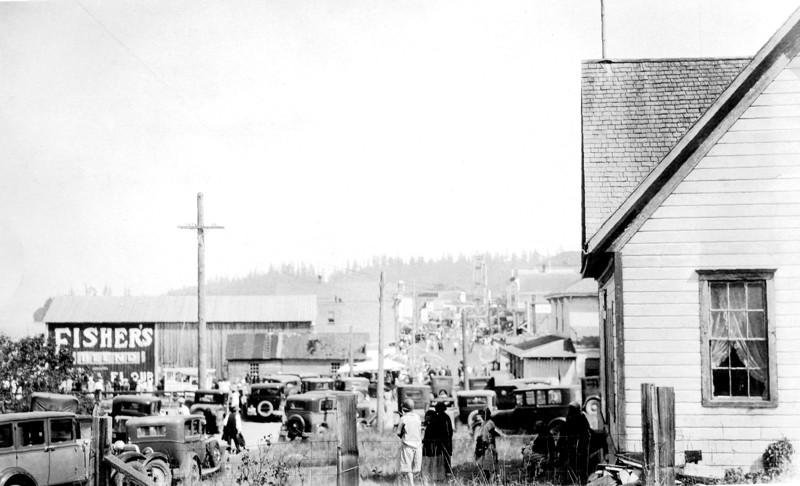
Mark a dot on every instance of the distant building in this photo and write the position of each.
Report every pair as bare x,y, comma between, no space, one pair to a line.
575,312
139,336
543,357
526,295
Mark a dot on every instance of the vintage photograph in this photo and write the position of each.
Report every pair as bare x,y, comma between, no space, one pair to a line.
425,242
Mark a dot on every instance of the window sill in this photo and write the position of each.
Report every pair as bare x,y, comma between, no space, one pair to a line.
740,403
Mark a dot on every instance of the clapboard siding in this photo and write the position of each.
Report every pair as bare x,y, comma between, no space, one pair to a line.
739,208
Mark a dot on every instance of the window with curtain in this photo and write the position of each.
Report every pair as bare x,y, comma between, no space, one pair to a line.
738,357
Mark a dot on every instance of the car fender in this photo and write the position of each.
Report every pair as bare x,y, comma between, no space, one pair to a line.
130,456
157,455
9,473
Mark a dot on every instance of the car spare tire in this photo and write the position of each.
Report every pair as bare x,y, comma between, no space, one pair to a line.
264,408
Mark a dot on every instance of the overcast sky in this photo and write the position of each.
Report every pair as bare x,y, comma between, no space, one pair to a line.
319,131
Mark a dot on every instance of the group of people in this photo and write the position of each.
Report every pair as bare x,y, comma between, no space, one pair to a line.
543,456
433,451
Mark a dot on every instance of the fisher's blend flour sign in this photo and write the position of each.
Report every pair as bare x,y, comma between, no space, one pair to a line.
122,350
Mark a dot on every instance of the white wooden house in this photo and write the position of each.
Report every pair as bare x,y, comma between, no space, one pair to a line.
691,219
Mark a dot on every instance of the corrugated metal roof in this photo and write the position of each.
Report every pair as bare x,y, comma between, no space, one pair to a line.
108,310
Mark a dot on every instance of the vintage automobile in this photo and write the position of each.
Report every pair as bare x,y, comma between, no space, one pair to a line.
443,386
308,414
264,400
420,394
42,448
546,403
481,382
125,407
316,384
291,383
355,384
181,442
213,405
471,401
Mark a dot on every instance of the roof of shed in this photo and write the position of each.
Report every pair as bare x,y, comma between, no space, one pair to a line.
543,347
633,113
108,310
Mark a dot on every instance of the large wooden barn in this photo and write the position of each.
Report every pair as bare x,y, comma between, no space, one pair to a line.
142,336
691,172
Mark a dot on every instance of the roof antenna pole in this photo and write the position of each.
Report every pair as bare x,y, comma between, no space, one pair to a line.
602,29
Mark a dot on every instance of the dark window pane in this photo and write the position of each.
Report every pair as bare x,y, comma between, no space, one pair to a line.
6,436
60,430
719,324
739,383
719,295
32,433
757,388
735,362
756,325
737,296
721,384
755,296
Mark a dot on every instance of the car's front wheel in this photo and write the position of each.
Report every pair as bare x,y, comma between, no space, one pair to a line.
214,456
193,475
295,427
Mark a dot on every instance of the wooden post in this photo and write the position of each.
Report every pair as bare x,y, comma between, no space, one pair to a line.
658,435
381,377
464,346
348,441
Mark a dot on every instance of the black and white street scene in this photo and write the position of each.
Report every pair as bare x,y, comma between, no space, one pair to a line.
371,242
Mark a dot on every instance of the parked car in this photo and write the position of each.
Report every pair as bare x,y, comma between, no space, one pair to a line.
42,448
316,384
308,414
265,399
291,383
546,403
53,402
181,441
420,394
125,407
213,405
354,383
443,386
471,401
481,382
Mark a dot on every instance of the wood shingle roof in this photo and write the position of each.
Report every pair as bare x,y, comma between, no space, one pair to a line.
633,112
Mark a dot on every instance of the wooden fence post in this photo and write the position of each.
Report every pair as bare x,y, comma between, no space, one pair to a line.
658,435
348,441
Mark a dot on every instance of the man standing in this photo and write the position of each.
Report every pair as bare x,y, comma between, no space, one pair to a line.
410,432
182,408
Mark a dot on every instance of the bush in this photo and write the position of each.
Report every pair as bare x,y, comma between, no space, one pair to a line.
777,457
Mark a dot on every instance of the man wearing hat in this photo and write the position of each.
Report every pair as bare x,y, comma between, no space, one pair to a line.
410,432
182,408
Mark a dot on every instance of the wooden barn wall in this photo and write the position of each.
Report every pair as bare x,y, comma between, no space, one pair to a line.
738,209
177,343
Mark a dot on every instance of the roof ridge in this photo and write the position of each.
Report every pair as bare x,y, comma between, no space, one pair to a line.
664,59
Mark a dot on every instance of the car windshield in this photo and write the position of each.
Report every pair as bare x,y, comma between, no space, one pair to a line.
322,385
216,398
468,401
134,408
267,392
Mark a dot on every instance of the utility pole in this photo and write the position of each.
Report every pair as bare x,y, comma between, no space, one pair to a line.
202,345
381,377
464,346
413,334
602,29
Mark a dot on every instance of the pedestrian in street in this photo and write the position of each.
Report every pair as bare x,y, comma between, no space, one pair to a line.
487,446
437,445
410,432
455,346
232,431
182,408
